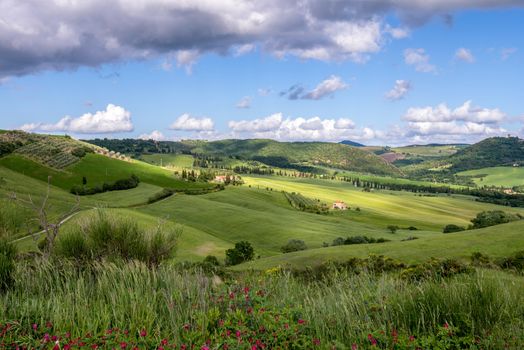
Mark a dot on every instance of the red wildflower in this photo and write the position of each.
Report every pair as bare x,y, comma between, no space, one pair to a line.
249,310
446,325
163,341
316,342
143,333
301,321
160,348
94,346
254,347
54,338
67,347
372,340
49,324
47,338
35,327
186,327
411,338
246,290
286,326
56,347
123,345
354,346
238,334
231,295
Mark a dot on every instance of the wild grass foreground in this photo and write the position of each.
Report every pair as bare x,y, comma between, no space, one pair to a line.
132,305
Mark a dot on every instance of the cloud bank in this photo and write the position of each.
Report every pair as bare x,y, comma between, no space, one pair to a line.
40,35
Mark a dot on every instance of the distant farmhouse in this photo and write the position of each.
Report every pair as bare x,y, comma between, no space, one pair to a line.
220,178
340,205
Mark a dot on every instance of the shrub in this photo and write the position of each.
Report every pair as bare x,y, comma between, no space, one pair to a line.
294,245
118,185
514,262
242,252
490,218
338,241
452,228
166,192
393,228
211,260
7,264
106,237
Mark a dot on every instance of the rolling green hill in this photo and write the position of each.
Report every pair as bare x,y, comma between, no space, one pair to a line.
495,241
490,152
507,176
270,152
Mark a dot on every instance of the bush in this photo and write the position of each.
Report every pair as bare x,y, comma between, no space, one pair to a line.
118,185
242,252
491,218
294,245
106,237
7,264
393,228
166,192
211,260
453,228
514,262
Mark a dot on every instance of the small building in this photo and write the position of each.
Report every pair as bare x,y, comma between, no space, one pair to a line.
509,191
220,178
340,205
516,165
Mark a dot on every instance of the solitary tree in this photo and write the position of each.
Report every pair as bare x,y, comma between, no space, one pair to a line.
393,228
50,228
84,180
242,252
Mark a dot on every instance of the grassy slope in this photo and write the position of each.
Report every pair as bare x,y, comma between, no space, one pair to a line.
97,169
333,154
169,160
381,208
497,176
429,150
496,241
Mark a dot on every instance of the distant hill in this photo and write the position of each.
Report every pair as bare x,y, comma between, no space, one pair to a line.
270,152
68,161
491,152
352,143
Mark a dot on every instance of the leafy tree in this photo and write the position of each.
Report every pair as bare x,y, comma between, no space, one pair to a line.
393,228
452,228
338,241
84,180
242,252
490,218
294,245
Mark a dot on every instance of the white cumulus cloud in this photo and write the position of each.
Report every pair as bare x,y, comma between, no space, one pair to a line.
268,123
186,122
112,119
399,90
154,135
466,112
464,55
245,102
302,129
419,59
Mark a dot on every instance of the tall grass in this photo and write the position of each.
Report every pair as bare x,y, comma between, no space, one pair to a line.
134,296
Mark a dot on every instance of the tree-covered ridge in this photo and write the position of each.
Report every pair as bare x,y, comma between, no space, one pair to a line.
292,153
490,152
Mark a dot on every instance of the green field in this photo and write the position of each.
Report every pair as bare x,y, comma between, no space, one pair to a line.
169,160
497,176
429,150
497,241
97,169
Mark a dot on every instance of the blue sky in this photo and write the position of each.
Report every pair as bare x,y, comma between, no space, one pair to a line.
399,75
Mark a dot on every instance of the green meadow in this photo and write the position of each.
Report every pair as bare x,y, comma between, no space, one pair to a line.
497,176
169,160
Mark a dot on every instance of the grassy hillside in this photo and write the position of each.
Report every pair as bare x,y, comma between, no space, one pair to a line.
169,160
497,176
490,152
495,241
278,154
97,169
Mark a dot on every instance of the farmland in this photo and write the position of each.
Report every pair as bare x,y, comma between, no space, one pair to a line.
397,233
497,176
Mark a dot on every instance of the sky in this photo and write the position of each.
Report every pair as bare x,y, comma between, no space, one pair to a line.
388,72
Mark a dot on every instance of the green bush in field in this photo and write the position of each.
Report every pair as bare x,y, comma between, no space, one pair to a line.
7,264
242,252
106,237
491,218
294,245
453,228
